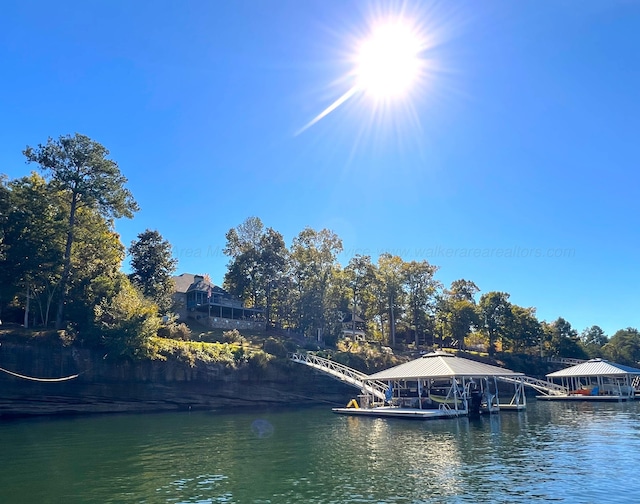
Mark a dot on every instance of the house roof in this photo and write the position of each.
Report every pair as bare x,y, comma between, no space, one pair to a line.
350,317
595,367
186,282
183,281
203,286
441,365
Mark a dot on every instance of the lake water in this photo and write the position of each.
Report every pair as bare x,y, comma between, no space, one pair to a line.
553,452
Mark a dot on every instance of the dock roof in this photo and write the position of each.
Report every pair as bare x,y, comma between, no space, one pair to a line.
596,367
441,365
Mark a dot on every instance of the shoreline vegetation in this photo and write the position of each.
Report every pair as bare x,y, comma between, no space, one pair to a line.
60,377
46,373
63,291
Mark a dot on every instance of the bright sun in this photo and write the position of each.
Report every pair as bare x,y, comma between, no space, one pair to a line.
388,62
388,66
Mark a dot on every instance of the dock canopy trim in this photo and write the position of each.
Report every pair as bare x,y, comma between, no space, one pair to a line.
441,365
595,367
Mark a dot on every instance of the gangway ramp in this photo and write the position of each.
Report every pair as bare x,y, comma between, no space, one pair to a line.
378,388
343,373
542,386
565,360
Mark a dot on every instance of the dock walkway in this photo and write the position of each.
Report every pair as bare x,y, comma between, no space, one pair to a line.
378,388
343,373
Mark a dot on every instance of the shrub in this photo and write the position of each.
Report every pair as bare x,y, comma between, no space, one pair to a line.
258,363
291,346
192,352
175,331
233,336
67,336
310,345
274,347
127,322
352,360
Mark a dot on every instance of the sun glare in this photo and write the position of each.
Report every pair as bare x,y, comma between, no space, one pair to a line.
391,66
388,62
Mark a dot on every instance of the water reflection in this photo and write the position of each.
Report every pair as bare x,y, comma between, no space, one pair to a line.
551,452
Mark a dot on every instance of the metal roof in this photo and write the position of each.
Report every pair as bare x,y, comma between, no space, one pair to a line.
441,365
595,367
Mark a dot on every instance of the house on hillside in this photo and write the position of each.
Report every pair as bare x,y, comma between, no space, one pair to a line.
201,300
354,327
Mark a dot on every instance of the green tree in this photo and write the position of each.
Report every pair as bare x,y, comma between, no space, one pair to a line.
456,312
5,205
244,237
420,286
525,331
460,316
79,167
563,341
243,272
272,268
241,278
257,266
313,265
464,290
33,242
96,256
624,347
593,340
359,275
390,292
152,267
6,285
495,316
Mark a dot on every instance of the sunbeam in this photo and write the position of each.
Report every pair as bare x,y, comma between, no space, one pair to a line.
329,109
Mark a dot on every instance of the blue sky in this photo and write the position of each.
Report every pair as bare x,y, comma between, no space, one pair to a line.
517,168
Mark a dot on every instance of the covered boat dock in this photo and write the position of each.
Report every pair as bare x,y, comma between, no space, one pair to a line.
594,380
437,385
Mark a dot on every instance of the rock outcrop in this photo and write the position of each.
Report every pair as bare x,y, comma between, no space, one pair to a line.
111,385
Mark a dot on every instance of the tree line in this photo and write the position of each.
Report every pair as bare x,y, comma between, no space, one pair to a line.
61,266
61,258
304,288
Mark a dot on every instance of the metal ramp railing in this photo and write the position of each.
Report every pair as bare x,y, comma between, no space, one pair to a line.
378,388
565,360
542,386
342,373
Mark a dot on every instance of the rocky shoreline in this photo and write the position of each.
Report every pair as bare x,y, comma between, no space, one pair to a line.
106,385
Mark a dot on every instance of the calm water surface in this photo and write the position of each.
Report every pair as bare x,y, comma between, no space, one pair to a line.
553,452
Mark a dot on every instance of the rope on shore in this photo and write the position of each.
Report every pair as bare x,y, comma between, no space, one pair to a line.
33,378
